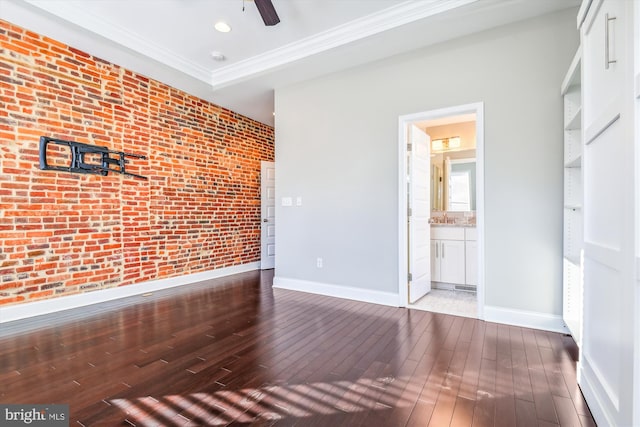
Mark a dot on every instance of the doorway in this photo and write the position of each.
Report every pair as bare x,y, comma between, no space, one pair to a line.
471,246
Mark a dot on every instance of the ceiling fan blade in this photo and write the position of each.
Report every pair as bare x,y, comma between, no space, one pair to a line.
268,12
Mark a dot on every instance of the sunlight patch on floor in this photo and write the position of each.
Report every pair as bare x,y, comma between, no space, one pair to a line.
267,403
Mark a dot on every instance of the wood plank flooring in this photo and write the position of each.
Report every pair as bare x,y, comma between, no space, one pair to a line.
234,351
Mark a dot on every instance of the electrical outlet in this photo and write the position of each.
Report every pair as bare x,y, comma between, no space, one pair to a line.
319,263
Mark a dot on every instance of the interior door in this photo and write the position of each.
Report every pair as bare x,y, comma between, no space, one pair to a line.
419,213
268,210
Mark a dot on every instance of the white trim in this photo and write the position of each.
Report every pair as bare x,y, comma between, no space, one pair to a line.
597,406
582,12
403,122
37,308
525,319
611,257
73,13
602,123
338,291
591,10
357,29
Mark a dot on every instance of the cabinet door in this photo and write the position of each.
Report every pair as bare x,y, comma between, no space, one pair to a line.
607,353
435,260
604,46
452,261
471,262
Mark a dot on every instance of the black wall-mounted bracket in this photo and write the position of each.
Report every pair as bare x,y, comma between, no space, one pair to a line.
79,164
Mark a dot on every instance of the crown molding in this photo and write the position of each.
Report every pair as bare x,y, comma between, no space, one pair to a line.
395,16
123,37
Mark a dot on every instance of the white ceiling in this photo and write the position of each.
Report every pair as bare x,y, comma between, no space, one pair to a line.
172,40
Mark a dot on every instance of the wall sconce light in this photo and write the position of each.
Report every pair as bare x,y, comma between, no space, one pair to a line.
445,144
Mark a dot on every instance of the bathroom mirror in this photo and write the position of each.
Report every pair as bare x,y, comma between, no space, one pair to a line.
453,163
453,181
462,185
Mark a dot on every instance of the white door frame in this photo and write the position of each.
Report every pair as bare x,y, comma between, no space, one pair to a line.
403,238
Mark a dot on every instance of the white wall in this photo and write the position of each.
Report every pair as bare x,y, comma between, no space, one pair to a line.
336,146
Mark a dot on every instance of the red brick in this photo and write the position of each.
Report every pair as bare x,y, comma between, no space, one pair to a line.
198,210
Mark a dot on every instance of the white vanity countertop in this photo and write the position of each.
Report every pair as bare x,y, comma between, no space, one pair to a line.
437,224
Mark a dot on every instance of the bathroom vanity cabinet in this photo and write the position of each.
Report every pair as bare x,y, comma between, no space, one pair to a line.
454,255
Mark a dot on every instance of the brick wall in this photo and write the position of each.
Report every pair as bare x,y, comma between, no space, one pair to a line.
63,233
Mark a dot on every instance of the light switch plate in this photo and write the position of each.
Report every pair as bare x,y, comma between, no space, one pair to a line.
287,201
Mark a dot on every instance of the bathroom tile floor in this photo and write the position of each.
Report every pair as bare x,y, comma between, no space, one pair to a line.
458,303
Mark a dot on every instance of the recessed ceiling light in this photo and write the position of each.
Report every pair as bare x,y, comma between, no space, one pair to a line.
218,56
223,27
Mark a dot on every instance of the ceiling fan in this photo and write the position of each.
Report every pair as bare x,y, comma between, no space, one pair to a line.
267,11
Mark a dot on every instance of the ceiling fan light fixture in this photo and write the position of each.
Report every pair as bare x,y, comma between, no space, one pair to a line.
222,27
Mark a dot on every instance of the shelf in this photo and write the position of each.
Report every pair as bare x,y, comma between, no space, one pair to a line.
572,78
573,215
573,259
576,162
575,121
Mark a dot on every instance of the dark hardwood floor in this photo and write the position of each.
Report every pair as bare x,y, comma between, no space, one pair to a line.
235,351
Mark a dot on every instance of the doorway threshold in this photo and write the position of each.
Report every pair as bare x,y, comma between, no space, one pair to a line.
457,303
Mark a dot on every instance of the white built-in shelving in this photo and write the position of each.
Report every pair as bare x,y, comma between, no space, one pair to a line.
573,199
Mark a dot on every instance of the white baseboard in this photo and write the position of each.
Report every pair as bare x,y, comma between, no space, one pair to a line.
526,319
330,290
37,308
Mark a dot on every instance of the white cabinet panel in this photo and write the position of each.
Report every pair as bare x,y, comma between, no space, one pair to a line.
471,233
604,178
435,260
604,45
608,213
452,261
447,233
471,263
604,346
454,255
